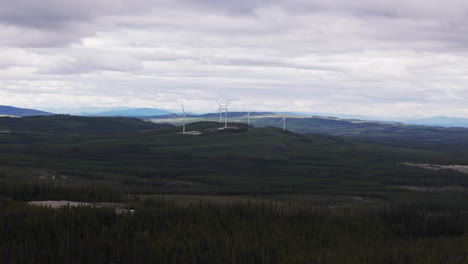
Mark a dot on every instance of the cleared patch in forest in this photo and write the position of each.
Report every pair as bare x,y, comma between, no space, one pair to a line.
118,207
435,167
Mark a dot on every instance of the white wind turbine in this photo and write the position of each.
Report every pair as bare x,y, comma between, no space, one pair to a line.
284,122
183,124
220,109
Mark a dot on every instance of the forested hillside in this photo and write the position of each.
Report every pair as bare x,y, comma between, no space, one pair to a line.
15,111
236,195
66,124
162,232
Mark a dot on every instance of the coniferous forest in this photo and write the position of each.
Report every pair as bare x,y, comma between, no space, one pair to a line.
251,195
162,232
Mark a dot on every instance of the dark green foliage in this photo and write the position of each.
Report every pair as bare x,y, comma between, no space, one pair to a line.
161,232
106,159
390,134
65,124
242,161
47,191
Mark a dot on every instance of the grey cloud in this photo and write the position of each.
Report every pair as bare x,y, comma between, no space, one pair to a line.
85,63
332,55
40,21
14,36
274,63
385,8
55,13
58,13
56,22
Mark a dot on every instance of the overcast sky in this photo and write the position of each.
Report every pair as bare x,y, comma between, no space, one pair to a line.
391,58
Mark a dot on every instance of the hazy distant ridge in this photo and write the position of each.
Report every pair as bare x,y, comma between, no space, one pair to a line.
15,111
133,112
444,121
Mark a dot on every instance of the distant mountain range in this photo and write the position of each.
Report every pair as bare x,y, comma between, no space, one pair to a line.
134,112
15,111
110,111
444,121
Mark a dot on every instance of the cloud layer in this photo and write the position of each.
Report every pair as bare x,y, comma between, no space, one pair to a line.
391,58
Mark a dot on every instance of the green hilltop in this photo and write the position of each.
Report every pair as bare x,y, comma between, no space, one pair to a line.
453,139
66,124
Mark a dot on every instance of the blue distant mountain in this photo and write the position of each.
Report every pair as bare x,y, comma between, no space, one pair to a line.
83,111
134,112
348,116
444,121
15,111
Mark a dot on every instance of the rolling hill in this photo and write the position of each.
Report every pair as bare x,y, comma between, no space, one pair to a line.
390,134
15,111
134,112
231,189
65,124
454,139
443,121
239,161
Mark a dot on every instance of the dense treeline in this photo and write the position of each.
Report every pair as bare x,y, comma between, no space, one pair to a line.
162,232
44,191
65,124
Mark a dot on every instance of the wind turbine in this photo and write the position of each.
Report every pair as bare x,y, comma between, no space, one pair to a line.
183,124
226,114
284,122
220,109
248,116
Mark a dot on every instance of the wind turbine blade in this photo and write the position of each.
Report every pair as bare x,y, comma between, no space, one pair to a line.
183,109
218,103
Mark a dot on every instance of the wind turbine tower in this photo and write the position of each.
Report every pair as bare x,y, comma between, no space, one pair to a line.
225,114
183,124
